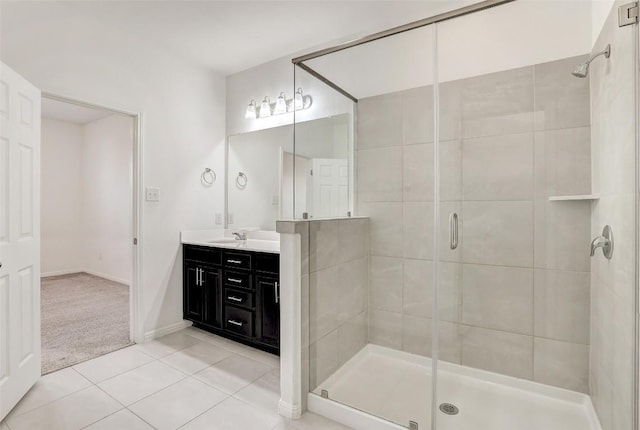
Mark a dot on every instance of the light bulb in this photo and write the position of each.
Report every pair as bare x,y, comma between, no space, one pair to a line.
251,110
298,102
281,105
265,108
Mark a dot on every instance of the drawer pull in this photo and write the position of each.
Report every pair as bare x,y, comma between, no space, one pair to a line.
237,281
235,299
236,323
234,261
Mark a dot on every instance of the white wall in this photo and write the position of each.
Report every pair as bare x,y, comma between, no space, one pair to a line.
183,111
61,179
86,210
500,38
106,197
599,12
270,79
513,35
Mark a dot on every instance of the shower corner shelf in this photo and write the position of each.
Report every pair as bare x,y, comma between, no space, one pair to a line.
576,197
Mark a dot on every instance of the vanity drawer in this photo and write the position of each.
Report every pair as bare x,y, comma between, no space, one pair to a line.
238,321
241,261
269,263
237,279
238,298
202,254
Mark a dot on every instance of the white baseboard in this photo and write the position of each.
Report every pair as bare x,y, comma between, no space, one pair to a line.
288,410
163,331
61,272
109,277
90,272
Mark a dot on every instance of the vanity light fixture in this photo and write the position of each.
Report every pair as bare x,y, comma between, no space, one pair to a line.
281,105
265,108
299,101
251,110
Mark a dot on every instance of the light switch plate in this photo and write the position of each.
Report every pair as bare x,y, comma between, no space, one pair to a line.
152,194
230,218
218,218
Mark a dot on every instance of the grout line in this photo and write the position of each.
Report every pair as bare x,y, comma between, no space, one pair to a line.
533,229
55,400
103,418
143,420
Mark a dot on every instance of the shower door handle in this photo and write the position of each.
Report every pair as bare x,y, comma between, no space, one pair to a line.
453,230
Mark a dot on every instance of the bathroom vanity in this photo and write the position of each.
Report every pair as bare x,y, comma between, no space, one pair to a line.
232,288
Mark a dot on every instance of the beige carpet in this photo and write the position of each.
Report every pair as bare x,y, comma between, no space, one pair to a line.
83,316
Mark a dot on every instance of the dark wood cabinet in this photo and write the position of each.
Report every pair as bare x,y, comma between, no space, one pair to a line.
202,293
268,310
193,293
212,281
235,294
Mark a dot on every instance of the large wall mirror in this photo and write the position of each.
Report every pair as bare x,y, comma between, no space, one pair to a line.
268,180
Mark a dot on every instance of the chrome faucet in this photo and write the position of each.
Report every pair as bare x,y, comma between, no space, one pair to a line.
605,242
240,235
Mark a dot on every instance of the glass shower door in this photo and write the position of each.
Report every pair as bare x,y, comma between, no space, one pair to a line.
537,154
386,373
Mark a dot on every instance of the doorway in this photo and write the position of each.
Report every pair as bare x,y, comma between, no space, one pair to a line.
88,219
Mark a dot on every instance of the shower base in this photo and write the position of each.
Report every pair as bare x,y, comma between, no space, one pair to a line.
384,389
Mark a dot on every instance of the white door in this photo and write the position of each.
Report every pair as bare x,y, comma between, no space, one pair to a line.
19,237
330,187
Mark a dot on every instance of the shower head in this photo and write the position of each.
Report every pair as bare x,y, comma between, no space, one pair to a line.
582,71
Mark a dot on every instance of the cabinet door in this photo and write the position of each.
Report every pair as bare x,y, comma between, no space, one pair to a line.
212,280
268,310
193,294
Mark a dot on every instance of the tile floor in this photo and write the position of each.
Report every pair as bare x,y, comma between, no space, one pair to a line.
188,380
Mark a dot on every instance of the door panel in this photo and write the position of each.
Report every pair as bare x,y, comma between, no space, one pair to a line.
193,300
213,297
4,190
19,238
4,328
268,324
329,189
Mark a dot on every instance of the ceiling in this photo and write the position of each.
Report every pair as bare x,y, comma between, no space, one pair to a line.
231,36
69,112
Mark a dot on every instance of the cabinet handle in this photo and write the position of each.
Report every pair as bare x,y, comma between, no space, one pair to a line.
198,277
237,281
236,323
234,261
235,299
276,289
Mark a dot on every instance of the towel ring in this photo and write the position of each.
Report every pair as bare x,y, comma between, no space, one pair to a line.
241,180
208,177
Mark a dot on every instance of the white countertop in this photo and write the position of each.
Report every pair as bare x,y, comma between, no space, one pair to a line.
260,241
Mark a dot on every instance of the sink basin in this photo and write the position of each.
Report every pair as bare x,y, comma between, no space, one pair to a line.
248,244
223,241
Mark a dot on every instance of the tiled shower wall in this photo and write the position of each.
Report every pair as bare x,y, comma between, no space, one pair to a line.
612,281
515,294
338,294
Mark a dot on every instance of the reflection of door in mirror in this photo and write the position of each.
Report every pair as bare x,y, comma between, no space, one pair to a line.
302,169
328,188
279,182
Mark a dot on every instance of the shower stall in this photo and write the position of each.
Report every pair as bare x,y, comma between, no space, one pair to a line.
495,147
